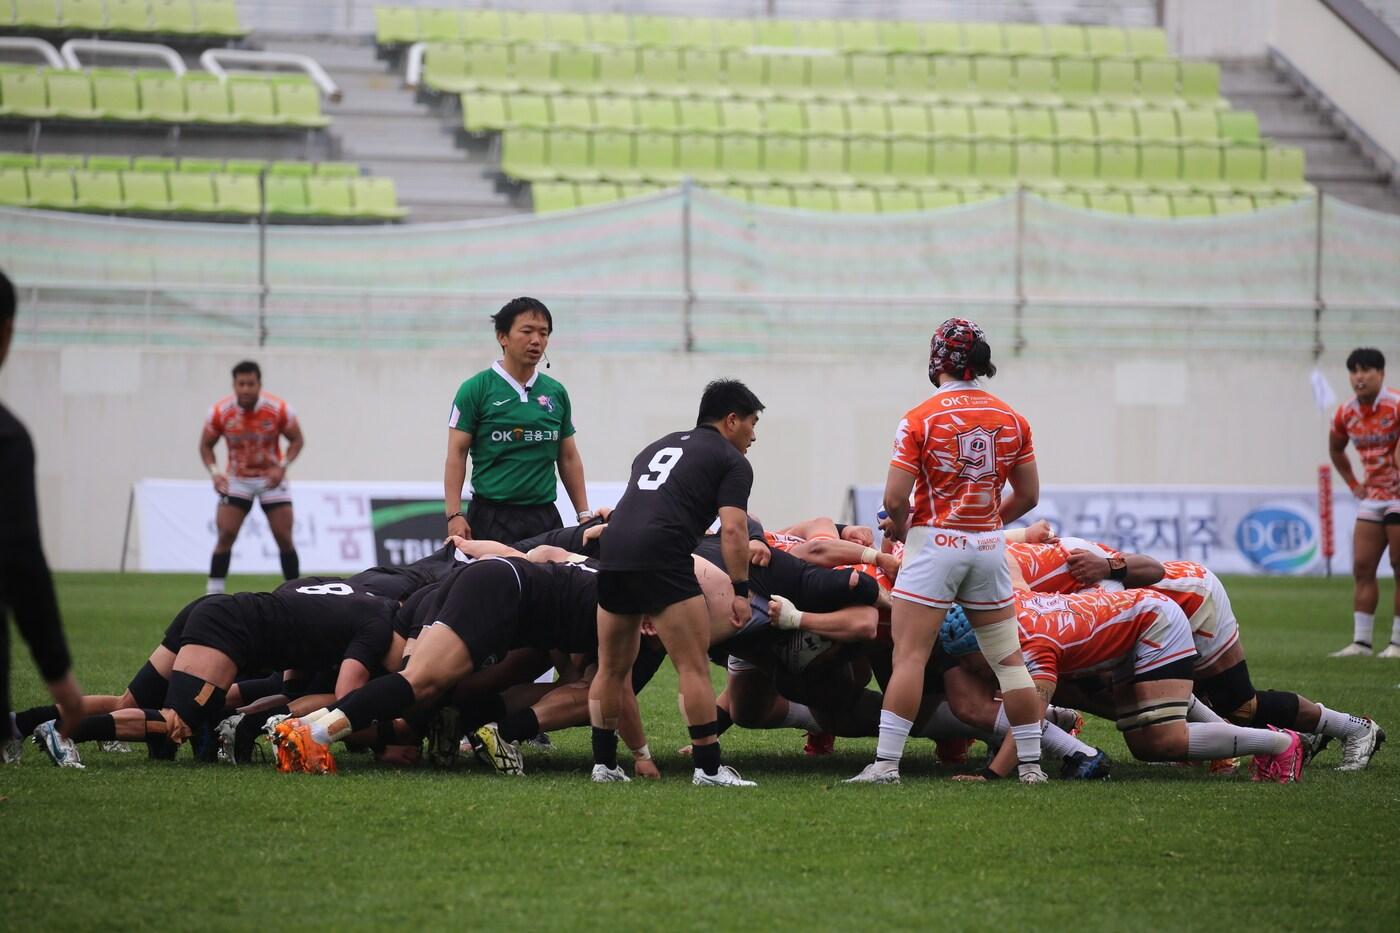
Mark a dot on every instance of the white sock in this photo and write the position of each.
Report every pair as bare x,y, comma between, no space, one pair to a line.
215,585
800,717
1199,712
1207,741
1059,743
1027,742
320,733
1362,625
1395,630
315,716
942,724
1002,725
1338,725
894,732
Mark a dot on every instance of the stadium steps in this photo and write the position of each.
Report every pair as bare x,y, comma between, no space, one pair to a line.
379,125
1334,163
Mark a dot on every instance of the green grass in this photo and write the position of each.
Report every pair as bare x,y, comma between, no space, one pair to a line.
130,843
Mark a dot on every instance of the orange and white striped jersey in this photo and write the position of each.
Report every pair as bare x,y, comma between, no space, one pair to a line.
961,445
252,437
779,541
1185,583
1374,430
1045,567
1076,634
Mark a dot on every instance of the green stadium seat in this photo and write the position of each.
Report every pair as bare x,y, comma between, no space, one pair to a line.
950,161
777,32
1266,201
252,101
51,188
691,31
245,166
14,186
529,110
1232,204
868,161
813,199
445,67
566,27
1073,123
569,155
994,77
116,95
549,196
994,163
771,196
195,193
483,111
953,78
1241,126
571,110
286,195
204,166
1283,170
857,201
1035,81
901,36
218,18
1159,165
1192,205
81,14
697,156
743,115
173,17
395,25
70,95
1157,124
612,155
909,119
783,116
376,197
236,194
910,161
1106,41
1147,43
782,156
936,199
439,25
982,38
1157,81
661,71
97,191
145,191
1075,79
704,72
869,74
1115,124
619,112
1066,40
1076,165
657,113
746,74
1067,198
18,160
64,161
1023,39
575,68
698,113
1150,205
1200,166
24,94
298,103
817,33
1118,164
732,33
741,159
1197,125
525,27
329,197
37,14
950,121
1117,81
651,31
128,16
290,167
898,200
868,119
618,72
910,75
609,28
154,164
827,76
1035,164
1243,167
656,156
860,34
1200,84
101,163
338,169
825,117
489,68
992,121
1109,202
482,26
824,161
207,99
524,154
787,75
532,69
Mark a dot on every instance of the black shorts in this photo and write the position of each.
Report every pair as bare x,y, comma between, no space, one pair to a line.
217,623
1180,669
501,521
481,604
646,592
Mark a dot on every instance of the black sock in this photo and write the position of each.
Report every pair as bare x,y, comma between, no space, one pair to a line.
26,721
481,711
218,565
99,728
706,757
291,564
722,720
158,744
605,747
245,734
382,698
524,724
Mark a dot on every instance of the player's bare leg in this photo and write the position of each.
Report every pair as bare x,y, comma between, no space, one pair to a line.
1024,707
1392,535
279,522
914,629
619,637
228,520
1368,542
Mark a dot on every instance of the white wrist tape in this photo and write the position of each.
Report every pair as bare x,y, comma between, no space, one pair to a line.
642,754
869,555
213,469
788,616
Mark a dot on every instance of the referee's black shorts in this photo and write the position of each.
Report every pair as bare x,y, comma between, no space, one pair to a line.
646,592
502,521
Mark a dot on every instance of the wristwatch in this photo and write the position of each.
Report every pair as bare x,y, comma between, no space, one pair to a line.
1117,568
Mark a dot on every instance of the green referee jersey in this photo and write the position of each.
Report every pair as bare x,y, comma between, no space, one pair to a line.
516,430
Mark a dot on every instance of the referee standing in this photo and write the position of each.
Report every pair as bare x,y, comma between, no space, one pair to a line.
517,424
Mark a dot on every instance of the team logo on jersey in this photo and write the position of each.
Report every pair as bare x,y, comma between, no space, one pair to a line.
977,454
546,403
1279,537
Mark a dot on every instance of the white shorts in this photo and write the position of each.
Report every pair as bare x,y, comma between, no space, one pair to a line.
942,567
1214,628
1378,510
1166,640
244,489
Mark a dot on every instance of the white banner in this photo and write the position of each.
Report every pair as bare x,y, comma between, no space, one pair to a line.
339,528
1231,529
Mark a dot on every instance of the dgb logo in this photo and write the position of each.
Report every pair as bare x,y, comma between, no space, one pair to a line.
1278,537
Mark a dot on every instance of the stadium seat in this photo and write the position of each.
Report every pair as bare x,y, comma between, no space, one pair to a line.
154,164
236,194
910,75
1150,205
1117,81
129,16
652,31
286,195
787,75
612,155
395,25
194,193
909,160
484,111
1024,39
1157,80
81,14
575,69
775,32
253,101
898,200
994,163
550,196
824,161
245,166
704,72
697,155
825,117
97,191
655,155
566,27
612,111
782,157
950,121
488,68
1200,84
1238,125
567,110
827,77
1200,166
1192,205
1035,81
329,197
1073,123
741,115
856,201
1037,123
37,14
741,159
116,95
900,36
992,121
941,37
951,160
1159,165
569,155
868,119
208,99
870,74
1147,42
771,196
934,199
1157,125
173,17
657,113
1197,125
783,116
1076,165
24,94
813,199
746,74
993,77
377,197
203,166
439,25
530,110
482,25
1110,202
218,18
1243,167
14,187
145,191
51,188
1115,124
609,28
1035,165
953,78
59,160
532,69
109,163
1065,40
1232,204
1283,170
868,161
1118,164
298,103
1106,41
1075,79
697,113
524,154
70,95
908,119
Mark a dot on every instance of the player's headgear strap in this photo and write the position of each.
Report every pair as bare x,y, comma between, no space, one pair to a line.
950,350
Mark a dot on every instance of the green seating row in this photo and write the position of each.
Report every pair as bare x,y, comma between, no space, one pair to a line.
558,196
214,18
403,25
489,66
201,193
735,158
196,164
490,112
107,94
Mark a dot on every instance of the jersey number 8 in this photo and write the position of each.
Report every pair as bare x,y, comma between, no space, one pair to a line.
327,589
661,465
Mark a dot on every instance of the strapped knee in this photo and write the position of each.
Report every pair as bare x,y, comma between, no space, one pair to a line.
999,641
148,687
194,699
1276,708
1156,713
1228,690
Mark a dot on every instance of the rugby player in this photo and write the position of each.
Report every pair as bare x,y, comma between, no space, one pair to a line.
955,452
678,485
251,424
1371,423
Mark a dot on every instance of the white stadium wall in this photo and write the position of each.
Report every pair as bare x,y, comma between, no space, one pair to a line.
103,418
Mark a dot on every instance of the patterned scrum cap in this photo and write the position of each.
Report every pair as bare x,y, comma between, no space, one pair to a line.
950,350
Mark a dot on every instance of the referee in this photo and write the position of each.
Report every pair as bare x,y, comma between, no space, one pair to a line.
25,586
516,424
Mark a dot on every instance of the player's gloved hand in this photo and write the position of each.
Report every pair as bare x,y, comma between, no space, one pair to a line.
1087,567
740,612
759,555
646,768
1040,532
859,534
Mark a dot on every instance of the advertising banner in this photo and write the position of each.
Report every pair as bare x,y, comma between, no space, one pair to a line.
1231,529
340,528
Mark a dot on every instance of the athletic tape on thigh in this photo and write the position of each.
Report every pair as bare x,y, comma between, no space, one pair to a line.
1153,714
997,641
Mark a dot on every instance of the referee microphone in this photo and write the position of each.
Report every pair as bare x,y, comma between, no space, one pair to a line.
546,360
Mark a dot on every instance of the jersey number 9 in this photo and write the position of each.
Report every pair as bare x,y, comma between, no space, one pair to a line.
661,465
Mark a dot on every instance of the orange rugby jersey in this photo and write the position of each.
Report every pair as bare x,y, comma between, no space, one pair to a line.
1185,583
1082,633
251,436
1374,430
961,445
780,541
1045,567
